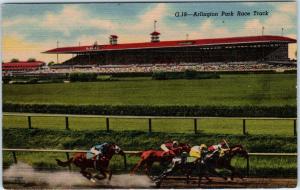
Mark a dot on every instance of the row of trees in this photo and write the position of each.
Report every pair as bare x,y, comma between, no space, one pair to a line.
15,60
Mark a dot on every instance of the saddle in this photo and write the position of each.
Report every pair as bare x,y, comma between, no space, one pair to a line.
191,159
89,155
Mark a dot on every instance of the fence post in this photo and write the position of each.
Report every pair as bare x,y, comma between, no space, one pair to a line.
295,127
68,157
195,125
29,122
15,157
248,165
125,162
150,125
67,123
244,127
107,124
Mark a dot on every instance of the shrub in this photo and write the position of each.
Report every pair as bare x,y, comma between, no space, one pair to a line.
213,111
6,80
14,60
104,78
32,81
190,74
31,60
159,76
83,77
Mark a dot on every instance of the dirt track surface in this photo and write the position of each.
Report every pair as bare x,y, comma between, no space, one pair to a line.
177,182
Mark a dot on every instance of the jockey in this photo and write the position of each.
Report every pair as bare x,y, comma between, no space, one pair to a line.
168,146
213,148
198,151
220,148
98,150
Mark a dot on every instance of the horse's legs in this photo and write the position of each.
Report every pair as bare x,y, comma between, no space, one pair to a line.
86,174
199,180
148,167
137,166
234,172
165,173
188,178
214,172
105,173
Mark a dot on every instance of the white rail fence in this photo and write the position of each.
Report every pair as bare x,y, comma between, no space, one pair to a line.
14,150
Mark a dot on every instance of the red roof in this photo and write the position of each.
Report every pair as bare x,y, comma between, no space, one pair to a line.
178,43
113,36
155,33
23,64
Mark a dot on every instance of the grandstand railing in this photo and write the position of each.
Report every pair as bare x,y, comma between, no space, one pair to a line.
149,118
137,153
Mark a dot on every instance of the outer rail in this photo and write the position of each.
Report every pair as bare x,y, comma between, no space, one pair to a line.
14,150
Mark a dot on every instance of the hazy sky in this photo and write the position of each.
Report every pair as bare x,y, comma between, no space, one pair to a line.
29,29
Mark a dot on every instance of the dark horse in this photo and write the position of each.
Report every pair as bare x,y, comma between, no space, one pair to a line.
101,165
216,162
148,157
209,166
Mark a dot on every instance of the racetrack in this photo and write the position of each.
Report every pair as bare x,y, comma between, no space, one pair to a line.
22,175
172,182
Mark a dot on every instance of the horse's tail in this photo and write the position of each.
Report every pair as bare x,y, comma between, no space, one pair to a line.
64,164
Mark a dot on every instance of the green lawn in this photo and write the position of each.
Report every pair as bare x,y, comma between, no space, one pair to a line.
131,134
208,126
230,90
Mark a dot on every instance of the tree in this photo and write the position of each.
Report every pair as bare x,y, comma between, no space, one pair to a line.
31,60
14,60
51,63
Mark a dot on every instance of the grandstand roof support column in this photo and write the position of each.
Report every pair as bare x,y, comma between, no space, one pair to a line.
89,58
57,43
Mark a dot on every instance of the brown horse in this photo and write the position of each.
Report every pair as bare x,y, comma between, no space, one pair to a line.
207,167
148,157
101,165
215,162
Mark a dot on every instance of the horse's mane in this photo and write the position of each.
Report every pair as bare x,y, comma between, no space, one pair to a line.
237,146
184,144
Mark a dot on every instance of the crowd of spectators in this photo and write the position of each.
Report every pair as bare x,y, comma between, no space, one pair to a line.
210,67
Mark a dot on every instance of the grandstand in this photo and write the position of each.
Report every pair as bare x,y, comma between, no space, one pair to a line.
265,48
21,67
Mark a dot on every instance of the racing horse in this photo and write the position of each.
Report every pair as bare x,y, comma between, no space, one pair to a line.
206,166
216,162
148,157
80,160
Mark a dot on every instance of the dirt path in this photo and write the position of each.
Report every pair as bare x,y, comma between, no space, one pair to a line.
177,182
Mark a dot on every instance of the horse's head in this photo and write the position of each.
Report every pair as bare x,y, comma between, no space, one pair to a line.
182,147
185,147
239,150
115,149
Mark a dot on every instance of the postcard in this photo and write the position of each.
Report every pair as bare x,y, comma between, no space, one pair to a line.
180,95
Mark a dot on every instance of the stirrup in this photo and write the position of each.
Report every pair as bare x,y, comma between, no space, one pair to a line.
95,164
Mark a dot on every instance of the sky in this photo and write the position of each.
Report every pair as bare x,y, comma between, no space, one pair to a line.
29,29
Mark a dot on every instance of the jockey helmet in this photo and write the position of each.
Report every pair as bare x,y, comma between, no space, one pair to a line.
203,146
175,143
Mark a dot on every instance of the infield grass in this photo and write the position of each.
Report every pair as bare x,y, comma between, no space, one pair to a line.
230,90
208,126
